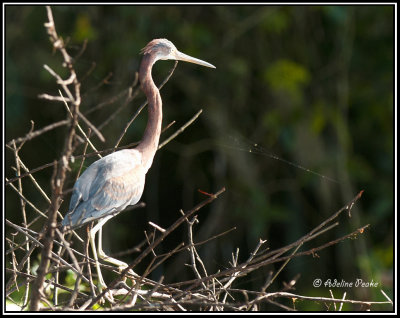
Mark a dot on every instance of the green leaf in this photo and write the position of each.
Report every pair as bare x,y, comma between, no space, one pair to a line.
287,77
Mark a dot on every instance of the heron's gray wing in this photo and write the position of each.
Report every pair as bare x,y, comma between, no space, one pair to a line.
84,184
107,186
117,193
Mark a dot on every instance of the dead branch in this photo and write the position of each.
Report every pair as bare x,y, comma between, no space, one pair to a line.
60,170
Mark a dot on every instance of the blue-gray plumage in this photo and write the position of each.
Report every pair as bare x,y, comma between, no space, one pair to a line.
117,180
107,187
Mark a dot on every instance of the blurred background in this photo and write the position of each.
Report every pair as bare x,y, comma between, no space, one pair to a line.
312,85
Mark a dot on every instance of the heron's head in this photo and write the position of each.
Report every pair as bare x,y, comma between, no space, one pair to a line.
163,49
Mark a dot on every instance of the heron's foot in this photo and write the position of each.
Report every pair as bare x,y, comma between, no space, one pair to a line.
108,295
130,272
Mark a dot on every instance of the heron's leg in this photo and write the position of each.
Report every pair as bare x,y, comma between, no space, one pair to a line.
121,265
92,235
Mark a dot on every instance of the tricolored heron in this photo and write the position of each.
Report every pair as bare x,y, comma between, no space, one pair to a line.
117,180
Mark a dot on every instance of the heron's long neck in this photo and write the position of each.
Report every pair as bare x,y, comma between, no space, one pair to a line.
149,143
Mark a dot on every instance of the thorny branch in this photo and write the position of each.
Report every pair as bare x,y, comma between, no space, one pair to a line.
205,292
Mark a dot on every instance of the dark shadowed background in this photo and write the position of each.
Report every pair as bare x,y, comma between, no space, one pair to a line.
312,85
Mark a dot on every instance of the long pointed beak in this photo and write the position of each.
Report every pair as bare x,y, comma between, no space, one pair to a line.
187,58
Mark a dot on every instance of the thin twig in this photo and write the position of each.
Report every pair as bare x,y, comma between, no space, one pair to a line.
180,130
36,133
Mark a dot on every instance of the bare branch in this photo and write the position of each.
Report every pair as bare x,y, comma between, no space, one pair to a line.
60,169
180,130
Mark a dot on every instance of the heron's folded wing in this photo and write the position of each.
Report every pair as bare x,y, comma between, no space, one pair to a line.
110,183
117,193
